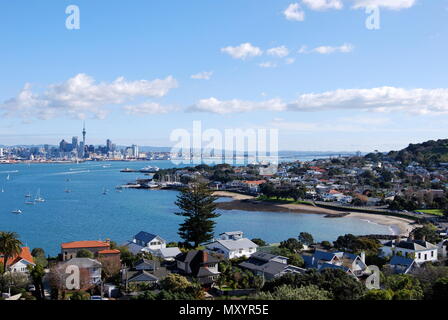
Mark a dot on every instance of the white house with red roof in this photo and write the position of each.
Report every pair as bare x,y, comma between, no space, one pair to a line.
20,263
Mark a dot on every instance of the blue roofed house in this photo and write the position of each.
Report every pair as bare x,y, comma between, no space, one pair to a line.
402,265
154,244
348,262
149,240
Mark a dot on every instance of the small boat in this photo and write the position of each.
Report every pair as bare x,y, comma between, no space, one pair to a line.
2,191
8,177
18,211
38,197
29,203
104,191
67,190
149,169
28,195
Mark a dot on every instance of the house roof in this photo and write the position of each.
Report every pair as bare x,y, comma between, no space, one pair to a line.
84,263
25,254
167,252
415,245
270,267
142,276
242,243
85,244
145,236
401,261
109,251
187,257
133,247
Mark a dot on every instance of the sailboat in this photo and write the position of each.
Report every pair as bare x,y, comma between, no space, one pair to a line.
38,197
8,177
18,211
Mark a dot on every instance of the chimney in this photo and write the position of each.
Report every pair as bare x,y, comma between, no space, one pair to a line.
424,238
363,256
204,256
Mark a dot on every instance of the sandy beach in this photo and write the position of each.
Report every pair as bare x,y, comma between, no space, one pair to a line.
398,225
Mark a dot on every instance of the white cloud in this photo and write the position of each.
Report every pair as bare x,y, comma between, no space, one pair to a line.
214,105
382,99
290,60
294,12
280,52
81,95
268,64
148,107
386,4
243,51
205,75
345,48
320,5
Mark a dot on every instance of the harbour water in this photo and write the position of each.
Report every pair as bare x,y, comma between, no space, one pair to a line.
85,213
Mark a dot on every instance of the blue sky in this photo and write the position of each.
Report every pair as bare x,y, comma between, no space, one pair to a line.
318,75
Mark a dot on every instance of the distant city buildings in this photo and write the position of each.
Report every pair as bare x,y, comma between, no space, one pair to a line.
76,150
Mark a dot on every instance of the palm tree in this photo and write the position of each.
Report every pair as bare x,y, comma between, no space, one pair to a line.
10,246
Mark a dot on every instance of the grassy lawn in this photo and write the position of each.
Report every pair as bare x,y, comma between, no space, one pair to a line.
435,212
283,200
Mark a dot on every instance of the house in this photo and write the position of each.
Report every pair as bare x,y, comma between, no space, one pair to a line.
149,240
402,265
89,271
420,250
168,254
70,250
233,245
200,265
144,272
151,243
20,262
269,266
110,259
347,262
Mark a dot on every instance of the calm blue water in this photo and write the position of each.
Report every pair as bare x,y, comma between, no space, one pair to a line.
87,214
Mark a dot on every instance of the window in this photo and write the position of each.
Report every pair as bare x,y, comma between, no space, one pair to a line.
432,253
419,255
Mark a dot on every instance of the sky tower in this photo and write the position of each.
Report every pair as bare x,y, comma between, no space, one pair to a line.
83,140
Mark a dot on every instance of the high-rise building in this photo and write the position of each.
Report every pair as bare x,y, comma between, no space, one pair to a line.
83,147
75,145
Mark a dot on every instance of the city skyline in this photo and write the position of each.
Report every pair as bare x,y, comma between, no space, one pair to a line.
313,71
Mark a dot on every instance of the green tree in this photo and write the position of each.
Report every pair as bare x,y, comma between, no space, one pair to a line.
306,238
440,289
84,253
260,242
10,246
37,273
375,294
286,292
197,205
292,245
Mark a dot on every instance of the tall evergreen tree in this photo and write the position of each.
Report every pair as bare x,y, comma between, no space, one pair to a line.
197,205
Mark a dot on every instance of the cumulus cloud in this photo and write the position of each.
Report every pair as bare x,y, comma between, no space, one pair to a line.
320,5
280,52
205,75
386,4
345,48
243,51
214,105
382,99
294,12
82,95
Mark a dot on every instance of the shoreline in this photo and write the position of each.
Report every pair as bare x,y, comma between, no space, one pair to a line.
397,225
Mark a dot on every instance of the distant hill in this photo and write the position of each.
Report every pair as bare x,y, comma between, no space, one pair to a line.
427,153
